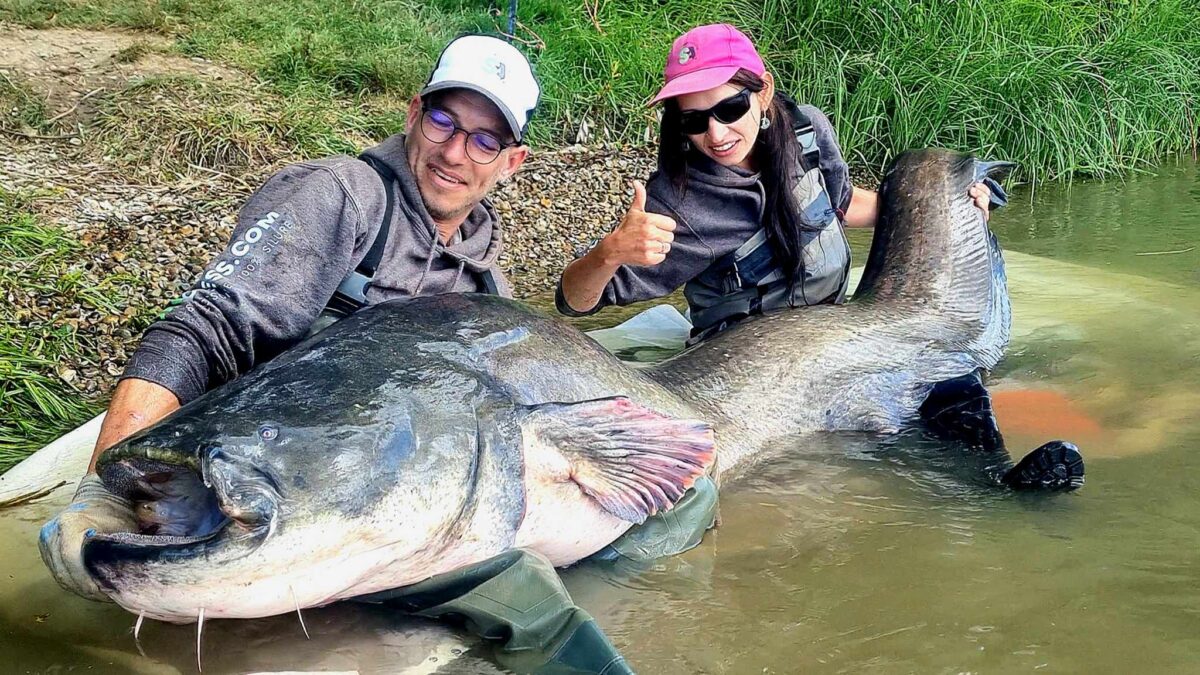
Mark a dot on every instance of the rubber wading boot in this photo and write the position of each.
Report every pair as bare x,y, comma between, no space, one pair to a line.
960,409
668,532
517,599
1057,465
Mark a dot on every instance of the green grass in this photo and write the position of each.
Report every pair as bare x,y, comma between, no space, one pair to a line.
20,108
133,52
171,124
148,15
36,405
1065,87
1062,87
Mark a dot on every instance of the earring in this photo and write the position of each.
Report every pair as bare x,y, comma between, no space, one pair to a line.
687,145
764,123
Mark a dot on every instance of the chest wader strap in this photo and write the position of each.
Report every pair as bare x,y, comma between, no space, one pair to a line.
751,265
489,283
742,277
810,152
351,293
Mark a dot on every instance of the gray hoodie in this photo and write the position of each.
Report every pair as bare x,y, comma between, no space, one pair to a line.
720,210
295,240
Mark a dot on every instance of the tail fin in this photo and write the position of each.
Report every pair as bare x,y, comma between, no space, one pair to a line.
933,246
995,169
989,173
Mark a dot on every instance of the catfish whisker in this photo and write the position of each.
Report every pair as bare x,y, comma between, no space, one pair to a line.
137,630
297,603
199,632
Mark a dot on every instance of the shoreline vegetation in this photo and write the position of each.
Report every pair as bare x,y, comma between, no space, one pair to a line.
1062,87
115,190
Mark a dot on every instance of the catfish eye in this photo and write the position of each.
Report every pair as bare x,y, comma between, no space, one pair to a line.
268,432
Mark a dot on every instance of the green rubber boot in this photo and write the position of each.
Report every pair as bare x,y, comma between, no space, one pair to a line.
669,532
517,599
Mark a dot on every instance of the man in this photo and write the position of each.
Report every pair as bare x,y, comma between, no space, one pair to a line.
319,240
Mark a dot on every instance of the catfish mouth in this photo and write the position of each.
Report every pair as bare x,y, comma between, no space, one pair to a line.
185,505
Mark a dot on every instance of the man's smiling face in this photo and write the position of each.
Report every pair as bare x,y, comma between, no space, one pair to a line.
450,182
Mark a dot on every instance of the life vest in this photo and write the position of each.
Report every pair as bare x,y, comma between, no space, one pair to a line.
350,295
749,280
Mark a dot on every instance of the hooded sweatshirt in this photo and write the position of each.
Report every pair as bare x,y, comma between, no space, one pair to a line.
296,239
719,211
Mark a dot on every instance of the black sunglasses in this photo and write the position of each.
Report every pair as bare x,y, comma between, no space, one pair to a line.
727,111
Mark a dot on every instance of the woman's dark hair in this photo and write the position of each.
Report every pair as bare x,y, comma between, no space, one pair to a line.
776,155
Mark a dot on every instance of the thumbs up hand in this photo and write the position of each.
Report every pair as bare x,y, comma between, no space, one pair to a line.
642,239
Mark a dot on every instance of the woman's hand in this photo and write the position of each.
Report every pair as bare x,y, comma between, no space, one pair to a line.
642,238
983,198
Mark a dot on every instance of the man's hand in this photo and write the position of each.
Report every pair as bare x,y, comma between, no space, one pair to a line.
93,510
642,238
136,404
983,198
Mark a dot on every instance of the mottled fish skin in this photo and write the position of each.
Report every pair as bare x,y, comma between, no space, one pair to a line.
932,305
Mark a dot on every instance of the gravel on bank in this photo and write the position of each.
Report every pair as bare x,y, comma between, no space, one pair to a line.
559,204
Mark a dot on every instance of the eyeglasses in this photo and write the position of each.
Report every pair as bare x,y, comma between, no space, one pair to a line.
727,111
439,127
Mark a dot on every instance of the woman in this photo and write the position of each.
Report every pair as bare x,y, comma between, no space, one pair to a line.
747,207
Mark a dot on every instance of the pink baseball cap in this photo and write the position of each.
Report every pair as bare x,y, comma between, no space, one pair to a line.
707,57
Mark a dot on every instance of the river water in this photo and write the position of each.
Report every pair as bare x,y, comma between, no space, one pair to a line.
851,553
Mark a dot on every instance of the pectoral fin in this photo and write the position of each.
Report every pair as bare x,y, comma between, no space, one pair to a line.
633,460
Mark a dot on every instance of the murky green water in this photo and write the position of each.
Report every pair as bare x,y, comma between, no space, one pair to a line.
848,554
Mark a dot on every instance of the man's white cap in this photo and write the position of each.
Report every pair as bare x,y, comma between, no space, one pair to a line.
493,68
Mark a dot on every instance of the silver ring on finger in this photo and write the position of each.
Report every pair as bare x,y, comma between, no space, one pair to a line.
664,246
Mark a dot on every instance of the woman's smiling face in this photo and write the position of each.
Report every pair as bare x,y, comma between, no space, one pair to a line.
731,143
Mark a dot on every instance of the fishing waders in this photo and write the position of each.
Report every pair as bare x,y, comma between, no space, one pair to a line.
961,410
668,532
517,599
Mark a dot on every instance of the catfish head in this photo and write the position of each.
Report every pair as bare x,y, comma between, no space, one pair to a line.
385,450
317,479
